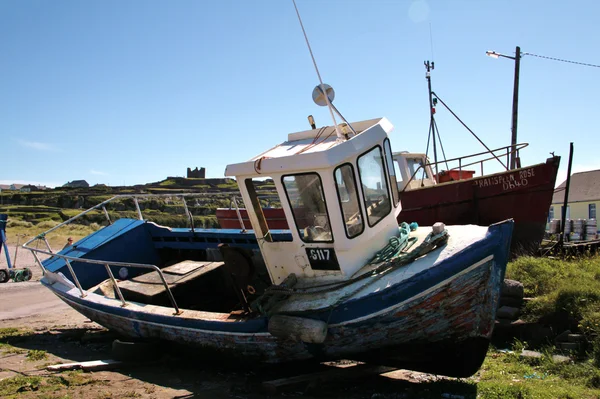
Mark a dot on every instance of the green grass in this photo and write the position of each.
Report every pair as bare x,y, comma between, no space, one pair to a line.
35,355
506,375
9,334
167,183
16,386
566,292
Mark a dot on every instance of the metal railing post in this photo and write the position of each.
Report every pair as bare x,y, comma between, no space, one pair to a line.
171,297
37,260
459,169
137,206
112,277
48,245
187,213
83,294
239,215
107,215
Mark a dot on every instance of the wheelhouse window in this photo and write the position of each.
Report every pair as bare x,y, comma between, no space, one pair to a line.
391,171
345,184
307,200
551,213
374,185
592,211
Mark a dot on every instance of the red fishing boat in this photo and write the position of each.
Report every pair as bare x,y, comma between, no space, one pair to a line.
456,197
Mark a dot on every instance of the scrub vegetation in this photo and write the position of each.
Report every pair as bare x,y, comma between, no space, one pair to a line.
32,213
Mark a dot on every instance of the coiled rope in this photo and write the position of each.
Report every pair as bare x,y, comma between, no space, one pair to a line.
389,258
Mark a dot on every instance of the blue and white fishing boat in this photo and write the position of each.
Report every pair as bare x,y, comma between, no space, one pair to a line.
345,282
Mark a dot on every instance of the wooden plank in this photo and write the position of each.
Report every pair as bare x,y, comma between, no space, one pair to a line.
150,284
94,365
335,373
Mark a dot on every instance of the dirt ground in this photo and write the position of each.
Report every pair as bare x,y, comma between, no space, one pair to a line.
66,336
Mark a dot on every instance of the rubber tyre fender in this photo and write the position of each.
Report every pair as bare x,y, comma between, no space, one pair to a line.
135,351
27,274
4,276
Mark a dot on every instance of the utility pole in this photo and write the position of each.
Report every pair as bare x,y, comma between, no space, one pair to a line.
515,110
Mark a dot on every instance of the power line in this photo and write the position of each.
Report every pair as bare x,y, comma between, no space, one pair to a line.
561,60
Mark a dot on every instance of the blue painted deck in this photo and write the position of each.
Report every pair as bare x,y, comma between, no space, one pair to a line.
137,241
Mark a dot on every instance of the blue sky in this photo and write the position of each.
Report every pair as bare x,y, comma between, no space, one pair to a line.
129,92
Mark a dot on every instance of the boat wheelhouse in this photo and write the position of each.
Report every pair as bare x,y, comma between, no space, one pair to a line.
337,195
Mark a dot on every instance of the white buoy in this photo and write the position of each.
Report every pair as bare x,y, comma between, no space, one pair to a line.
438,228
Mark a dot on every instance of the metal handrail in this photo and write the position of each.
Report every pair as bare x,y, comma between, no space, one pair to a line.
515,148
107,265
102,206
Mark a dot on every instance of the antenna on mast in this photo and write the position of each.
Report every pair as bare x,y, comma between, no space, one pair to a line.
325,93
429,66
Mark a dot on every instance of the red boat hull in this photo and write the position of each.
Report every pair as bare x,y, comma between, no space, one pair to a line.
522,194
228,218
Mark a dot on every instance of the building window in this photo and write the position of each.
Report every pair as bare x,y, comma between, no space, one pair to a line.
551,213
592,211
373,180
347,191
307,200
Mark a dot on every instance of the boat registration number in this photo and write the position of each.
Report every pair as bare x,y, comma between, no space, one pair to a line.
322,259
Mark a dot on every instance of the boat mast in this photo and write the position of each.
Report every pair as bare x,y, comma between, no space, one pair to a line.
321,85
429,66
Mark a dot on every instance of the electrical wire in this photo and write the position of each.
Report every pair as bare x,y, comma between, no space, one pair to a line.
561,60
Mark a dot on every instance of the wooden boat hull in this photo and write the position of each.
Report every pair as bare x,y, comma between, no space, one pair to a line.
450,308
523,194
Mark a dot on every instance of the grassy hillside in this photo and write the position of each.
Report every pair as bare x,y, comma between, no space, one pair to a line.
35,212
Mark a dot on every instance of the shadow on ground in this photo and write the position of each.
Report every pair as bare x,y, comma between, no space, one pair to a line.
204,376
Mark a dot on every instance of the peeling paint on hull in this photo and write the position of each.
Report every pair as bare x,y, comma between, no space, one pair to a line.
461,309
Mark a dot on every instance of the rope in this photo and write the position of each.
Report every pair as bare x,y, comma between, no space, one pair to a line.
314,142
257,164
394,246
389,259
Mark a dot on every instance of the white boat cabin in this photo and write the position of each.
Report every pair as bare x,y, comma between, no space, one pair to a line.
336,196
413,170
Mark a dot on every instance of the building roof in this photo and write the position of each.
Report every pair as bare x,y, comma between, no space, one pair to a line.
585,186
8,186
